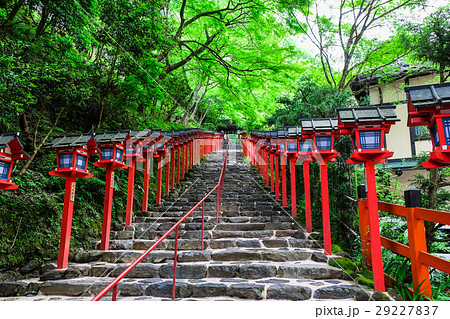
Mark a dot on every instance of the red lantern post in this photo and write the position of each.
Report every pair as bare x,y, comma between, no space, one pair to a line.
160,151
367,127
148,151
72,153
304,155
282,149
291,151
112,149
274,164
323,133
133,152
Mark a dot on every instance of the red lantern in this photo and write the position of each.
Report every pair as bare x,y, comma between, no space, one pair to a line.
72,154
367,127
10,150
430,105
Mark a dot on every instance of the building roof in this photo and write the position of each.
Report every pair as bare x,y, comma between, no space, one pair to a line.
429,95
404,71
385,113
319,124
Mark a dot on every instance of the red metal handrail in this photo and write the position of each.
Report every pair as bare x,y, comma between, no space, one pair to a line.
219,188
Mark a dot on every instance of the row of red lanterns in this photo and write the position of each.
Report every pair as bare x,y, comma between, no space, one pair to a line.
185,147
313,141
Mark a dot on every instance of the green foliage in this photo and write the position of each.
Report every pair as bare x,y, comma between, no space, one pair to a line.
340,31
310,100
432,38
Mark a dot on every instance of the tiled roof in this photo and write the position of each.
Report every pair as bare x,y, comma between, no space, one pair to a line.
319,124
429,95
293,131
115,137
6,138
136,135
368,114
77,140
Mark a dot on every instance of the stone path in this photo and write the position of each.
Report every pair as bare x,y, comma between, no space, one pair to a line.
255,252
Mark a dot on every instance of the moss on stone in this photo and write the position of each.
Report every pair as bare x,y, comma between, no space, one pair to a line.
344,263
366,273
364,281
336,249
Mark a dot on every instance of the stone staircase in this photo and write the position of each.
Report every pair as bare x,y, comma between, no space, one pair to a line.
256,251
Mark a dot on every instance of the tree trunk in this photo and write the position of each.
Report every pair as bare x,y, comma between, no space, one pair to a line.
191,102
9,19
204,115
102,108
196,106
42,23
36,150
432,191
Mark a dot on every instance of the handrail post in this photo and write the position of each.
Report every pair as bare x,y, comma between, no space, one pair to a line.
217,204
175,257
364,228
203,223
417,243
114,294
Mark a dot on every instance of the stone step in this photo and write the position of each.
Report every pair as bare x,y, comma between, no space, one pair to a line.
253,226
232,288
222,219
228,254
211,226
306,269
186,232
196,244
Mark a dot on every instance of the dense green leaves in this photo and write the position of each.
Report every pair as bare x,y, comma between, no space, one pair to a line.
433,40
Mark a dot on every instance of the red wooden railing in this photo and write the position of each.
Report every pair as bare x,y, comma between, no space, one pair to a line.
219,189
417,249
